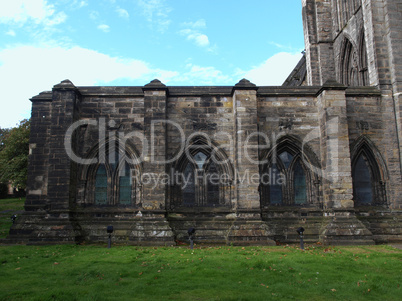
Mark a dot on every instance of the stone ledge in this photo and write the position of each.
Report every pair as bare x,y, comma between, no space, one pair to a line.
363,91
46,96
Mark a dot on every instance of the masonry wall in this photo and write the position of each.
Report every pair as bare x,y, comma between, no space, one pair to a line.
166,118
372,118
211,115
113,115
292,114
326,123
38,154
286,114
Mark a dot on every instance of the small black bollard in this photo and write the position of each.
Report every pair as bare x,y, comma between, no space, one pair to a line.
13,218
191,233
110,231
300,231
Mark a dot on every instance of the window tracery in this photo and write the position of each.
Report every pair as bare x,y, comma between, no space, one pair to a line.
353,64
285,180
368,176
203,178
113,180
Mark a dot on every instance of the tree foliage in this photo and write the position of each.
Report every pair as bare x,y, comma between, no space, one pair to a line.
3,134
14,148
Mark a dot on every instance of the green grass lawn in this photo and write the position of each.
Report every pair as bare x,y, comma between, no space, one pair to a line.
90,272
7,208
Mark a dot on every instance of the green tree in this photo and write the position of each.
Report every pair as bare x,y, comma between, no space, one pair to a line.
3,134
14,148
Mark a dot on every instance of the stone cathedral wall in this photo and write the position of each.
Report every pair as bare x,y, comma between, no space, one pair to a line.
340,134
167,121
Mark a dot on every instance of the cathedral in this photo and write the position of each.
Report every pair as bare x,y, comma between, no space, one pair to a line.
240,164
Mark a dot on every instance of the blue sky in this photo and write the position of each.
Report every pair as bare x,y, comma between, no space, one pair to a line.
131,42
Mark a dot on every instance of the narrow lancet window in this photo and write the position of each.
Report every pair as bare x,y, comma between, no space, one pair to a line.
125,186
213,181
362,182
275,186
188,186
101,186
300,187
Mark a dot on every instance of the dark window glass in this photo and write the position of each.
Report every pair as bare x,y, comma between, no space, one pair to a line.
275,186
299,184
363,192
113,159
101,186
188,186
200,159
286,159
212,178
125,185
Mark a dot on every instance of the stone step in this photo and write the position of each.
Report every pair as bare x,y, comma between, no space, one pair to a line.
220,230
386,228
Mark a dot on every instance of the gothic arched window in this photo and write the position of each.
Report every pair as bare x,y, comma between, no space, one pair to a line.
368,182
362,182
125,185
275,185
299,182
284,181
353,64
349,65
101,195
202,177
201,182
188,185
212,179
112,181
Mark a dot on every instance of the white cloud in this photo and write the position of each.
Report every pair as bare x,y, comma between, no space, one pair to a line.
58,19
156,12
104,27
274,71
79,3
285,48
94,15
199,75
201,40
11,33
192,32
37,69
197,24
122,13
22,11
198,38
165,76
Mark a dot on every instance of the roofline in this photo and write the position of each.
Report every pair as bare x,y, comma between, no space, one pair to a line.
199,91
